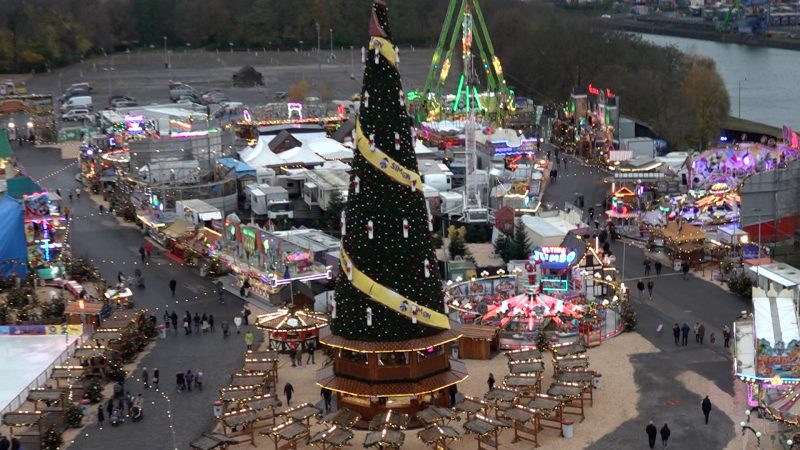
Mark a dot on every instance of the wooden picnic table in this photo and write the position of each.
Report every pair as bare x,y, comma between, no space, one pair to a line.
385,439
391,419
520,416
571,395
303,412
211,441
436,415
569,349
471,405
524,355
526,367
486,429
437,436
343,418
332,438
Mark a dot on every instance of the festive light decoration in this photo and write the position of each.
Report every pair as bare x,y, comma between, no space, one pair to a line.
386,272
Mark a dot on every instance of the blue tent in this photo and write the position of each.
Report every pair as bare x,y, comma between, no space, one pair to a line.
242,169
13,249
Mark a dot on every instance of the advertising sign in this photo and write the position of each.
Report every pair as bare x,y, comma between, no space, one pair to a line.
553,257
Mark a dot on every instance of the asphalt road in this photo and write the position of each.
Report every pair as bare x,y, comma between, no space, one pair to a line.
172,420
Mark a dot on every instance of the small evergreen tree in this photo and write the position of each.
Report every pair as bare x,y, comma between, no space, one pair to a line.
521,245
73,416
51,439
503,247
457,245
333,215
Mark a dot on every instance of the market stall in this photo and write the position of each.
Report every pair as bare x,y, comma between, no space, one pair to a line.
684,242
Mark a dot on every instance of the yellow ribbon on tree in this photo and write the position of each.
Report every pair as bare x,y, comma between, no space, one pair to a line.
386,164
385,48
389,298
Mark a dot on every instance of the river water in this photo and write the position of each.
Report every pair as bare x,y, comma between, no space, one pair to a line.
769,77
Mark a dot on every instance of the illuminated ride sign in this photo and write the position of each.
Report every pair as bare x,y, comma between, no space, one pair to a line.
553,257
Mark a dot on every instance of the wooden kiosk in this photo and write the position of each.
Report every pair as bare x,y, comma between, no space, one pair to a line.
478,341
373,377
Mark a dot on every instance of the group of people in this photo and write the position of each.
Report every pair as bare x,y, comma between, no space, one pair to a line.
196,323
6,444
665,432
296,351
681,333
184,381
122,405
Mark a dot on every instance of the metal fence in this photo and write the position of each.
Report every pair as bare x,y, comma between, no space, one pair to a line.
42,378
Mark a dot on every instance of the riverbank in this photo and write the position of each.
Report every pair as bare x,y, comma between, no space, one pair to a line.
672,27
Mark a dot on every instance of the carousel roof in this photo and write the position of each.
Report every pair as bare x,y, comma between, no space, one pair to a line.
683,233
289,320
786,408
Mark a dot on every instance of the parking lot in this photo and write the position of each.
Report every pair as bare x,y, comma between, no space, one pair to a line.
143,76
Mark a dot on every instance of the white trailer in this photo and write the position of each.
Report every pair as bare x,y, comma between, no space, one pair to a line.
196,211
270,201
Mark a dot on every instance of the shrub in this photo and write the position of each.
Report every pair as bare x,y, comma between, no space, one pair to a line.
94,392
73,416
629,317
51,439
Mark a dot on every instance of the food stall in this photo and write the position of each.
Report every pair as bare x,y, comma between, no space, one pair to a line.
684,242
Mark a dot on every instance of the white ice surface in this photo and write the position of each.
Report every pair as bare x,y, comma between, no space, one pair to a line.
23,358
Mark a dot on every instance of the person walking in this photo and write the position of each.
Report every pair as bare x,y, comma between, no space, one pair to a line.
246,314
142,254
701,333
180,381
148,249
198,380
109,407
248,340
204,323
647,267
490,381
310,350
650,289
685,270
145,378
676,332
172,285
696,332
128,403
706,406
640,287
15,444
293,353
78,193
4,444
101,417
453,394
288,390
174,319
187,327
658,267
652,432
155,378
327,396
685,334
726,336
665,432
70,196
211,322
196,321
189,379
299,355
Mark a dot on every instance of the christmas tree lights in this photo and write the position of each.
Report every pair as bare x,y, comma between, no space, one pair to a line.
388,290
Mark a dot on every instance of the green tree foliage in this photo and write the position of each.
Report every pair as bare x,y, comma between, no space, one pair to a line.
707,100
388,258
503,247
520,245
333,216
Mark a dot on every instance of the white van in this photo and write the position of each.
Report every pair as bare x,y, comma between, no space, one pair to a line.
84,101
75,114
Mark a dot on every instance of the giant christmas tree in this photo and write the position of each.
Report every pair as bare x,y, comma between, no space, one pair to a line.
389,288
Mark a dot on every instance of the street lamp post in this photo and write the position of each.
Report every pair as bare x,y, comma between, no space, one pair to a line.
319,62
166,61
758,266
740,97
331,30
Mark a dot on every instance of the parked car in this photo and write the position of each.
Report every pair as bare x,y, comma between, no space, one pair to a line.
213,97
81,101
69,93
123,104
178,90
75,114
280,95
80,86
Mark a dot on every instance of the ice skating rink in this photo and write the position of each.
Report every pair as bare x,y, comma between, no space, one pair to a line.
23,358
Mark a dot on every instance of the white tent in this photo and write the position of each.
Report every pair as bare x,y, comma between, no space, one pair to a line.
260,155
300,155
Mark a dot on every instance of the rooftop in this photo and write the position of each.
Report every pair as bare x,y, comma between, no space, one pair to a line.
781,273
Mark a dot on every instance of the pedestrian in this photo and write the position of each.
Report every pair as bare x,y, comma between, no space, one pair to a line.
453,394
676,332
174,318
102,209
172,285
288,390
706,406
685,333
145,378
120,277
196,323
211,322
142,254
490,381
726,336
110,406
548,155
327,396
155,378
701,332
665,432
180,381
189,378
712,338
70,200
101,417
220,292
58,192
198,380
564,163
78,193
118,390
647,267
299,355
248,340
148,249
67,212
658,267
246,314
166,319
650,289
224,329
696,332
685,270
640,287
310,350
128,403
187,327
204,323
652,432
293,353
4,444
